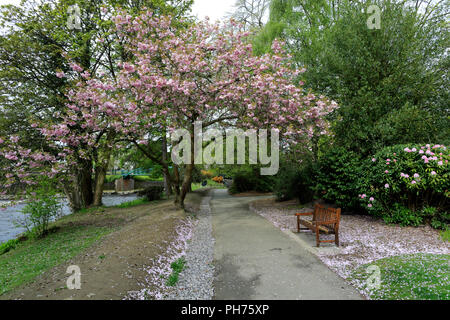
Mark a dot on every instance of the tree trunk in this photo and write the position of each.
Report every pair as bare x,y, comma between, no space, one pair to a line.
189,167
85,184
166,173
100,176
103,159
79,189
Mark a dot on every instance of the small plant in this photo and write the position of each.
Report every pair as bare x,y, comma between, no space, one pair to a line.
8,245
43,207
177,266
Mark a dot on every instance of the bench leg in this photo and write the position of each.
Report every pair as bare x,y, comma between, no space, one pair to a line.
336,238
298,224
317,237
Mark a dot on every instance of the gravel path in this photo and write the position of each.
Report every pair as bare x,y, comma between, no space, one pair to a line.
196,280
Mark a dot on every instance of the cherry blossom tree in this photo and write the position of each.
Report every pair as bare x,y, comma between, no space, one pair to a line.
207,72
177,77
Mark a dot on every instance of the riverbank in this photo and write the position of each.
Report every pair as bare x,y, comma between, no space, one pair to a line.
113,248
9,230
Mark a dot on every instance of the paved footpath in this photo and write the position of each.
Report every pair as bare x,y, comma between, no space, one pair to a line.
255,260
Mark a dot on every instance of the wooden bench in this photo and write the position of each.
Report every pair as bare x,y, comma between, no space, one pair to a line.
324,220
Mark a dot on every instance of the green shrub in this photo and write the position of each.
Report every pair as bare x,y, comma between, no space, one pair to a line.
338,177
295,182
412,177
42,207
152,193
400,214
251,180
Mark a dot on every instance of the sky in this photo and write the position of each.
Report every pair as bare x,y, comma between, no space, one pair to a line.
214,9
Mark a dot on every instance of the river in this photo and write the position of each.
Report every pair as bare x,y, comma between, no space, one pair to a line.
8,230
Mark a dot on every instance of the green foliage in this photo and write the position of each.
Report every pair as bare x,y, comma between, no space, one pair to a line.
391,84
132,203
402,215
177,266
42,207
408,184
295,182
445,234
8,245
408,277
338,177
35,256
251,180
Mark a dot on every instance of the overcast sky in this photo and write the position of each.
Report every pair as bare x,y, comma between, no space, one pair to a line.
214,9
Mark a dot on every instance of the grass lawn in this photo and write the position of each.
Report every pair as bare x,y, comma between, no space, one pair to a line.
32,257
70,235
409,277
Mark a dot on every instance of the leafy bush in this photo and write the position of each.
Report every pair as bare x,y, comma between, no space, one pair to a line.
251,180
152,193
295,182
408,184
338,177
43,207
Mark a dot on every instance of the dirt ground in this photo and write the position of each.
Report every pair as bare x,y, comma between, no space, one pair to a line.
114,265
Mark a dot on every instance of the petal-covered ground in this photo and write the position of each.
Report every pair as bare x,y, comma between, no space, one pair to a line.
363,239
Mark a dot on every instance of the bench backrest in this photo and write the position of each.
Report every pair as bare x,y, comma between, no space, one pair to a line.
327,214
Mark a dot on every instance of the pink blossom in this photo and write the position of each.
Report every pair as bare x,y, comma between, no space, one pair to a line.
372,199
433,173
386,185
369,205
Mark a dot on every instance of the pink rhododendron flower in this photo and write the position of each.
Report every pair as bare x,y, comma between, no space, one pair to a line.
386,185
433,173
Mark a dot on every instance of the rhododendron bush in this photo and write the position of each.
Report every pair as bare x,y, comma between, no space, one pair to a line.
408,184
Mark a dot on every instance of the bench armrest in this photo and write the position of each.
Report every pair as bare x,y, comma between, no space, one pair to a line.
304,214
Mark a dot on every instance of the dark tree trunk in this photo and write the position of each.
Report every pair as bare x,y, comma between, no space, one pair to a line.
100,176
103,159
186,186
166,173
85,184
